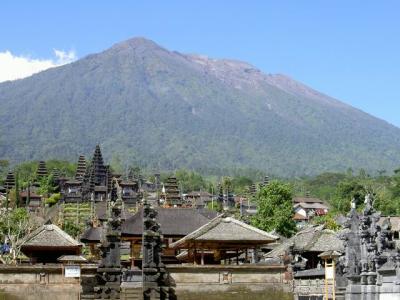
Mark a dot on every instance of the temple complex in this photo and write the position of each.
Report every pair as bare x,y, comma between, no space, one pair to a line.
93,182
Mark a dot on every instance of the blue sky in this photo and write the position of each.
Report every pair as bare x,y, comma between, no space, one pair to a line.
347,49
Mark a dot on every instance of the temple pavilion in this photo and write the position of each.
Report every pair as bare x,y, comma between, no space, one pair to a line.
221,240
47,243
175,223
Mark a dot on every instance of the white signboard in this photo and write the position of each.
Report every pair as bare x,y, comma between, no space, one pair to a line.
72,271
329,273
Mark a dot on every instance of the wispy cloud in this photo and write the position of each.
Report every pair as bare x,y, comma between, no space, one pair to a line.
16,67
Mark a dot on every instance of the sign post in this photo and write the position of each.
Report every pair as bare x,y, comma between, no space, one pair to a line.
73,271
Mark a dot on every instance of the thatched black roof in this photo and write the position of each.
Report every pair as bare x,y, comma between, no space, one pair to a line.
92,235
173,221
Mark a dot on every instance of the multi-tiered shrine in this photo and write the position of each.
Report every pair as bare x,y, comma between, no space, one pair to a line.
92,182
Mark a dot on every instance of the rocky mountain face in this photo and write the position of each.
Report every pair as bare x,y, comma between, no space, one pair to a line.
163,109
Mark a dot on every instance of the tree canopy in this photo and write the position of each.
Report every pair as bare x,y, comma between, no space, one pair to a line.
275,209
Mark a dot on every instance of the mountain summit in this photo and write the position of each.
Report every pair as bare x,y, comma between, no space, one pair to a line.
146,104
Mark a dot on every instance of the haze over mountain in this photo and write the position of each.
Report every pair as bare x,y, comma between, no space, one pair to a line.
166,110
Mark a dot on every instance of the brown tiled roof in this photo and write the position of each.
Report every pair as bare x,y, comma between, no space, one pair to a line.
24,194
128,182
313,205
299,217
173,221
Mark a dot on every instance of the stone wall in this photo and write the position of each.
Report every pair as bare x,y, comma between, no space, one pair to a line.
44,281
197,278
39,282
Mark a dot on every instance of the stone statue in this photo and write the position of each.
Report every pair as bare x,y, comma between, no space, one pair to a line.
368,249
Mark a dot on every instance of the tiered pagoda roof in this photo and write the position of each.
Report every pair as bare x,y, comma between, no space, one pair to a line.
81,168
253,189
42,170
265,182
10,181
172,193
220,194
56,174
98,169
231,198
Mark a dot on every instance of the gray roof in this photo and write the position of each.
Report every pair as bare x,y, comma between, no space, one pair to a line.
227,229
310,239
314,205
173,221
49,235
394,222
92,235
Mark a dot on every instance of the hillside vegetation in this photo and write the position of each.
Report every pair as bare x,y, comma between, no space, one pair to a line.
165,110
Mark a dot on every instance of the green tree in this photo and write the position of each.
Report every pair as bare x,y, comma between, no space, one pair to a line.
46,185
240,184
190,181
14,226
347,190
328,220
72,228
17,197
215,206
3,168
53,199
275,209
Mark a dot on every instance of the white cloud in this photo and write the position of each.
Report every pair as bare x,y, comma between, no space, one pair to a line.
16,67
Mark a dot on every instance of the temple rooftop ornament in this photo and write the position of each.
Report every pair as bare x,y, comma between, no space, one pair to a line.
172,194
371,262
10,181
109,270
42,170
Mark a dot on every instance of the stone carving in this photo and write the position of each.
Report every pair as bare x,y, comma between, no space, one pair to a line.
109,270
370,253
156,283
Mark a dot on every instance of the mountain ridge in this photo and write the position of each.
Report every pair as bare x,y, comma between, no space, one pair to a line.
148,105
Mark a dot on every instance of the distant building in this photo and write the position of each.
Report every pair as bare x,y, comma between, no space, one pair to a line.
305,208
395,227
303,248
31,200
198,199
